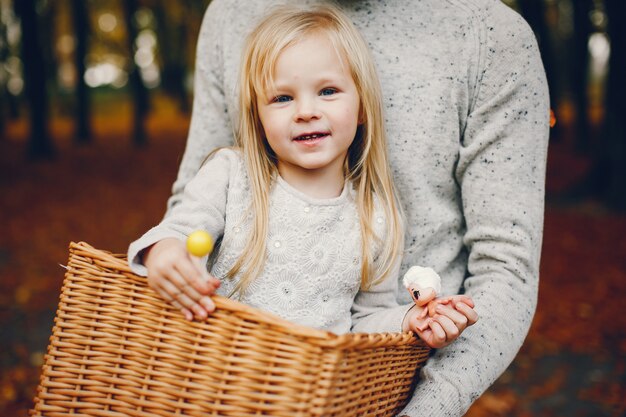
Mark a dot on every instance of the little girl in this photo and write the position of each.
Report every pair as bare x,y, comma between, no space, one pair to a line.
304,209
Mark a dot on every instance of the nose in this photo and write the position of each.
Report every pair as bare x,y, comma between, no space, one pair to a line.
306,110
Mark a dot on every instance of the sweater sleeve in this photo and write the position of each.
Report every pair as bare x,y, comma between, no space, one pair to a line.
501,174
376,310
210,127
202,207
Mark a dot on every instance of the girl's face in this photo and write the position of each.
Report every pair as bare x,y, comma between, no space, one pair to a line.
310,115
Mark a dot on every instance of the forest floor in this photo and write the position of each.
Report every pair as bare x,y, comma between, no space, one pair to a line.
573,362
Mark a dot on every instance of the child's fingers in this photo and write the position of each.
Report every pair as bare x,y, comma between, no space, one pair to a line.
459,319
420,324
438,338
449,327
202,302
207,304
468,312
196,308
188,314
179,290
432,307
174,295
457,299
415,320
195,276
205,276
167,297
454,299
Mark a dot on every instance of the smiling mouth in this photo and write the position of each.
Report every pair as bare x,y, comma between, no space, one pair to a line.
310,137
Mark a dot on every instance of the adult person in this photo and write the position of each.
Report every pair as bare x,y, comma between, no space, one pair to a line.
466,106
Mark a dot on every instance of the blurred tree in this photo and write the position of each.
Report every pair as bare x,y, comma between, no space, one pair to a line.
534,13
12,108
612,161
606,179
46,11
4,77
579,70
171,33
139,92
83,104
39,143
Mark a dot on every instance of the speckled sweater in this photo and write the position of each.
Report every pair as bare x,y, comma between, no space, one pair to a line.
466,106
312,272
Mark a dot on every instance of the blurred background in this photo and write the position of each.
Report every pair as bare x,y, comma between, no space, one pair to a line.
95,100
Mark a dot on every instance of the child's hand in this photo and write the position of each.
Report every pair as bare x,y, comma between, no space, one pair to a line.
180,278
441,321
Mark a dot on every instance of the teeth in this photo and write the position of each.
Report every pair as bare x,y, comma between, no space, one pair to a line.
307,137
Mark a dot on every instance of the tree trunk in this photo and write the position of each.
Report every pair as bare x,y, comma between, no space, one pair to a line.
534,13
83,103
39,145
8,102
614,132
4,53
172,36
47,11
139,92
11,102
579,67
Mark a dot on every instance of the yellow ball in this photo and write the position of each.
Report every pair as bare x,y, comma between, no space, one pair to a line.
199,243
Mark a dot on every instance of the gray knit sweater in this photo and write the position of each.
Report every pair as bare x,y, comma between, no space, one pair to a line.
312,273
467,120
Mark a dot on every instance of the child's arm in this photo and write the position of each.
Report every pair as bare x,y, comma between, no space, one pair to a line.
375,310
180,278
160,254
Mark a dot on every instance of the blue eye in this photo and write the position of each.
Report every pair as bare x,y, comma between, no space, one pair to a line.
328,92
281,99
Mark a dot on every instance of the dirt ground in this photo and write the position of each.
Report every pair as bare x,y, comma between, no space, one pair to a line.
573,362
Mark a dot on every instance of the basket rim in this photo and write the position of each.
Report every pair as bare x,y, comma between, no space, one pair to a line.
324,338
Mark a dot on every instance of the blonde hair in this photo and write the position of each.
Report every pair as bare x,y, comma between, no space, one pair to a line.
366,164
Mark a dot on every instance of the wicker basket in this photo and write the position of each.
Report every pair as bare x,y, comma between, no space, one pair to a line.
118,350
